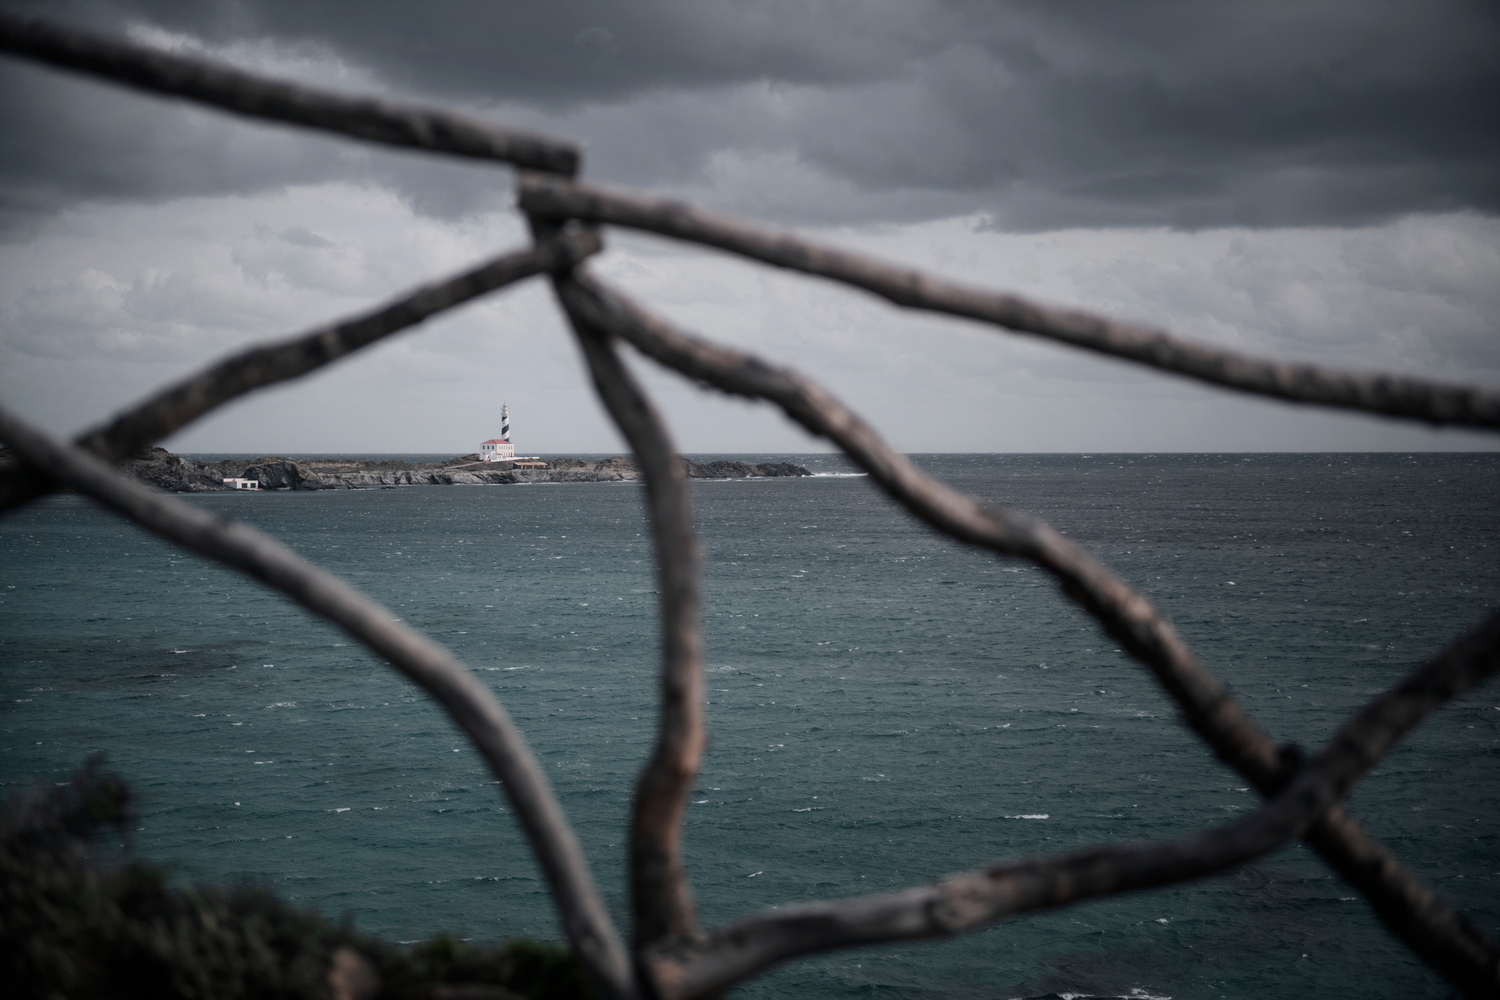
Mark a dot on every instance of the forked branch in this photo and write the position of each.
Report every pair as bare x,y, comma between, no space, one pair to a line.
468,702
661,898
1417,916
1125,614
178,405
373,119
682,963
695,967
1391,395
1443,938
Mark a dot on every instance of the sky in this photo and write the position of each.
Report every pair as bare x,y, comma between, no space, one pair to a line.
1315,180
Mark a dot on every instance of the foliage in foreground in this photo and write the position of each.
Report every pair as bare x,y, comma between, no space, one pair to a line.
69,928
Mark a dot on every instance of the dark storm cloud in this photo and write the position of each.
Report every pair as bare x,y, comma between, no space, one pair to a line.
1043,115
63,140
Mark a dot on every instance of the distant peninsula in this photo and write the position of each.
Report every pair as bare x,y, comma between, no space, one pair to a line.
162,470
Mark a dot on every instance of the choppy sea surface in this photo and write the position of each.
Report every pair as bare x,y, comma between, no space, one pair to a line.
885,706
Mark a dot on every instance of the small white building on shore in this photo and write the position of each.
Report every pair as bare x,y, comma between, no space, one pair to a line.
496,450
243,484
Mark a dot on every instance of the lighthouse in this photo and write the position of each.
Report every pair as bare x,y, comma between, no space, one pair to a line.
499,449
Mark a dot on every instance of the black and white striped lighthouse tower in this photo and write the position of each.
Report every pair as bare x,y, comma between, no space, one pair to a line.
504,421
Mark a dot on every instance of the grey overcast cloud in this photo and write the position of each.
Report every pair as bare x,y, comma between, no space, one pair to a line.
1314,180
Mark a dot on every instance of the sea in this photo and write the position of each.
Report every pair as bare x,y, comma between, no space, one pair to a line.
885,706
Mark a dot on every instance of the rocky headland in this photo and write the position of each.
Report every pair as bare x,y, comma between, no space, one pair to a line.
171,473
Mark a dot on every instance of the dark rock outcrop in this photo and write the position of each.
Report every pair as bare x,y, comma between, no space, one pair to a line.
742,470
780,469
165,471
719,470
281,474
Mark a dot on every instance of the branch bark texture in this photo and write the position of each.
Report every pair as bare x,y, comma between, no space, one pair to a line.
1429,927
178,405
681,962
373,119
468,702
1390,395
699,966
661,898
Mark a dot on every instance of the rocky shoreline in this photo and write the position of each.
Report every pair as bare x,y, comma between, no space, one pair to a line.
171,473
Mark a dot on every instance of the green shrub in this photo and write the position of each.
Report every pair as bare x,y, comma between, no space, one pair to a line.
71,930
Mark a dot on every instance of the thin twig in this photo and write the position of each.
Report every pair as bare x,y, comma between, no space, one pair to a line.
1391,395
433,668
1128,616
373,119
691,967
661,899
178,405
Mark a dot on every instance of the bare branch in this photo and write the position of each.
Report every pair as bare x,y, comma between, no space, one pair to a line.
1460,666
695,966
433,668
681,962
1129,617
374,119
685,968
1443,938
661,899
1395,396
179,405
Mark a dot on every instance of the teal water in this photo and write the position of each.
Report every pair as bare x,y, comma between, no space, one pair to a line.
885,706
